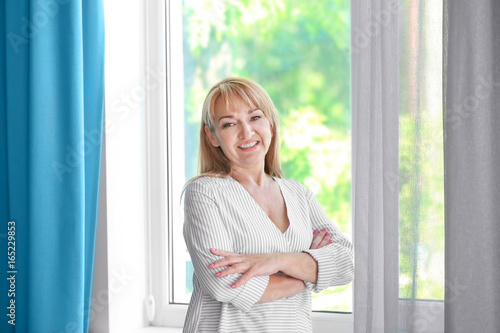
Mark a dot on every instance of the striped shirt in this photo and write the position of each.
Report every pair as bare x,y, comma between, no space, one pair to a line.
219,213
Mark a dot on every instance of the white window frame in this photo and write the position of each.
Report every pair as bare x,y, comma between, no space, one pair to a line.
164,48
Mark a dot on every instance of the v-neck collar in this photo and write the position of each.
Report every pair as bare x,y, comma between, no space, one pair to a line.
277,180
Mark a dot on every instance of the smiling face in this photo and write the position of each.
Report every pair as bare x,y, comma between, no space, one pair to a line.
242,131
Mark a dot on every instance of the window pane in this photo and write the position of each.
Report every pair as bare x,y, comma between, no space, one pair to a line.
299,52
421,166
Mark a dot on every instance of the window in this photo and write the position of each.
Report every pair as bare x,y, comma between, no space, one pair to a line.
299,52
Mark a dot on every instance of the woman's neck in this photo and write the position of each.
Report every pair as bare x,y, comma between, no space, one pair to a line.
252,177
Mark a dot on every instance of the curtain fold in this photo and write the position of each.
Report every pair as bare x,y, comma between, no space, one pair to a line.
472,164
52,97
375,112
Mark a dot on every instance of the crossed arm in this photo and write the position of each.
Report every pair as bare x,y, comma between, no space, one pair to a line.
287,271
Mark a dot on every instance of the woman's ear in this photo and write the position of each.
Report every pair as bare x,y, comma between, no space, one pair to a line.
211,137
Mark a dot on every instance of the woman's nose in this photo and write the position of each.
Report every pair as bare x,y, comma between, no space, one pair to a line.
246,131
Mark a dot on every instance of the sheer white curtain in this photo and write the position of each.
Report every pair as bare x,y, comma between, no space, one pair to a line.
375,113
398,166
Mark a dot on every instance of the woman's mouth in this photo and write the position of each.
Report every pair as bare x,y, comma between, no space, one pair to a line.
249,145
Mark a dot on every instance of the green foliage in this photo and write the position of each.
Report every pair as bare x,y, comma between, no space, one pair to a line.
421,203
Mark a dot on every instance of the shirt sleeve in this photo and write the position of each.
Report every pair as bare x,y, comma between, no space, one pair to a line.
204,229
335,261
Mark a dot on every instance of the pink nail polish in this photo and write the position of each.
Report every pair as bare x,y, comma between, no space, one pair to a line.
211,265
315,232
327,234
324,229
330,242
217,274
233,286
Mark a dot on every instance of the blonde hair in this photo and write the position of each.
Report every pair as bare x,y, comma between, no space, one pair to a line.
212,161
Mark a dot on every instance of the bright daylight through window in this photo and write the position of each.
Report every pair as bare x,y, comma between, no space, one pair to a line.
299,52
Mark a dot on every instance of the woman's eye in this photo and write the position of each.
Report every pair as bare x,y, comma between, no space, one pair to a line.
226,125
256,117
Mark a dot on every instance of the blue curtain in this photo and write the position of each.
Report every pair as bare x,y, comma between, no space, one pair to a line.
51,116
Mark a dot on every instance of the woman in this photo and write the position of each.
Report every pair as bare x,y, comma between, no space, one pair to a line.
260,244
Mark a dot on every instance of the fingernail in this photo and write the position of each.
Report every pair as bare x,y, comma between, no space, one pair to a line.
211,265
315,232
212,249
328,234
324,229
233,286
330,242
217,274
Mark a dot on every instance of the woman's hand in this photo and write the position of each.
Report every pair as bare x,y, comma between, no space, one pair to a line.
320,239
250,265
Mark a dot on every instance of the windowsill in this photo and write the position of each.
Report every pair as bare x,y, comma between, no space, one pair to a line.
152,329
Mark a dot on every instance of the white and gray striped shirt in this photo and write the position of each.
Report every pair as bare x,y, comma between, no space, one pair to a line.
219,213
